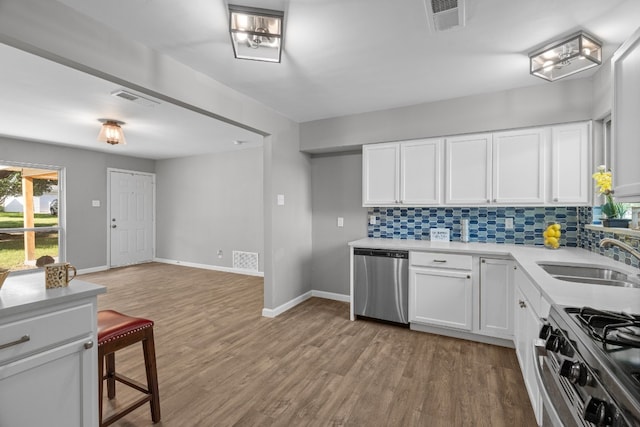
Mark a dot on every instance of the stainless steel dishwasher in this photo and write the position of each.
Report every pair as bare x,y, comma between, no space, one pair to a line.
381,284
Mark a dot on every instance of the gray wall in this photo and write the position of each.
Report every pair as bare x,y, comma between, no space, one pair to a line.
211,202
558,102
86,180
336,182
602,91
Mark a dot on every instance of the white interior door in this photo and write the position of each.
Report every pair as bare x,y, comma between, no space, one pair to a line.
131,217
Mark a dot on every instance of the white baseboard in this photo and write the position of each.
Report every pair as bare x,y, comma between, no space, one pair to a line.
210,267
267,312
331,295
93,269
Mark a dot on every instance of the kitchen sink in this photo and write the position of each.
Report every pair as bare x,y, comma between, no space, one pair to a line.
585,273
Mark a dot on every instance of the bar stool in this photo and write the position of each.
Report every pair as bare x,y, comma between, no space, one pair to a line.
115,332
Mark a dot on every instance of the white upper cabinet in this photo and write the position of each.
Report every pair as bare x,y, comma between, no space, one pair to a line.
518,166
420,172
539,166
624,120
380,174
468,169
402,173
570,164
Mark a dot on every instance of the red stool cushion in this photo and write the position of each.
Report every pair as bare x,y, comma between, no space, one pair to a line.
113,325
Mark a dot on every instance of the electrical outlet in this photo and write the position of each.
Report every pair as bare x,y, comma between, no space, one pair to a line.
508,223
372,220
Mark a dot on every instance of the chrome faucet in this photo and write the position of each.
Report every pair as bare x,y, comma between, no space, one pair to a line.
608,242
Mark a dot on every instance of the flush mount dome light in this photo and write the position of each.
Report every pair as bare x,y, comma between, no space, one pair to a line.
111,132
560,59
256,33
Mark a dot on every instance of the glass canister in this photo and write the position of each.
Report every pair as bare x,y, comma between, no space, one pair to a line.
552,235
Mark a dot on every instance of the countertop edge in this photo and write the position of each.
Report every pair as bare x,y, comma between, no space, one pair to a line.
27,293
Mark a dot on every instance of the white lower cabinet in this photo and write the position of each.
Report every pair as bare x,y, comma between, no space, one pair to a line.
526,329
441,298
496,297
440,295
48,368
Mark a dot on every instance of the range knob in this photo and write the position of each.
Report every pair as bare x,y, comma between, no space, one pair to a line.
545,331
597,412
576,372
554,342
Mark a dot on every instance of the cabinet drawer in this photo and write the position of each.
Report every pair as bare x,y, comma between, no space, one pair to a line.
439,260
44,331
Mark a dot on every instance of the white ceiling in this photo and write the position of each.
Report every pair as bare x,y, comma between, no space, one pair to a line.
352,56
340,57
45,101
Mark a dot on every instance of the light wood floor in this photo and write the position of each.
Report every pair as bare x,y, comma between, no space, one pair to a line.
221,364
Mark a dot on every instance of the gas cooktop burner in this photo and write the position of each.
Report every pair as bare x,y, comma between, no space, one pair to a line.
609,327
629,334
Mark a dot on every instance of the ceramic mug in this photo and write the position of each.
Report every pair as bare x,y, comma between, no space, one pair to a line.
57,275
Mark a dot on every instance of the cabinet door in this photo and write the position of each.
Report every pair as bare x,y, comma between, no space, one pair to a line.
468,170
420,172
527,327
496,297
518,166
54,388
441,298
570,164
625,125
380,174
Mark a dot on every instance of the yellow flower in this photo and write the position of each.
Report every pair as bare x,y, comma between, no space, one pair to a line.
603,180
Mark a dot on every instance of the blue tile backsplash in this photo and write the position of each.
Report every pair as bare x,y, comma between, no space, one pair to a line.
486,224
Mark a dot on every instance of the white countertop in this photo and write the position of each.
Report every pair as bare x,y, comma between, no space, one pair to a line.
554,290
26,292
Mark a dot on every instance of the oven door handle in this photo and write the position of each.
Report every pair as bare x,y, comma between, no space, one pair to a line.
539,352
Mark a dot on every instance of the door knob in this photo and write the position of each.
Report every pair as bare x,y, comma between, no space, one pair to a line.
113,226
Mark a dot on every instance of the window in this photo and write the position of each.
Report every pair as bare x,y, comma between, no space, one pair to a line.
31,209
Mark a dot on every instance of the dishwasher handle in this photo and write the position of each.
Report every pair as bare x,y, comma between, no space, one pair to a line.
384,253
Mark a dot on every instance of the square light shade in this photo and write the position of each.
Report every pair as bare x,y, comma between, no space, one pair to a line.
256,33
560,59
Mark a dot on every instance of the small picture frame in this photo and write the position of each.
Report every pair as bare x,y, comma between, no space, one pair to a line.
439,235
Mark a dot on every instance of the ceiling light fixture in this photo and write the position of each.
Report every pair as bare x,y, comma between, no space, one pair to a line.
560,59
256,33
111,132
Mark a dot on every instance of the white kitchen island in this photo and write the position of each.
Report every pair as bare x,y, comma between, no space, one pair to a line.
48,353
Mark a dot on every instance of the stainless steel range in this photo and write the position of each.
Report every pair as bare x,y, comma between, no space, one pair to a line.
589,373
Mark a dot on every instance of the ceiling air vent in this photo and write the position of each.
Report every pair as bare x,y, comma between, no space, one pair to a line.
445,14
133,97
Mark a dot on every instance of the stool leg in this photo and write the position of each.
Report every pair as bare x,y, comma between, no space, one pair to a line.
100,384
149,349
111,373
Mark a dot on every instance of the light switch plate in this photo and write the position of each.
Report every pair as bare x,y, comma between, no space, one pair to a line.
340,221
372,220
280,199
95,203
508,223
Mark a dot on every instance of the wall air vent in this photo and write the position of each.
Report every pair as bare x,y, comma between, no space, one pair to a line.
445,14
245,260
135,98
